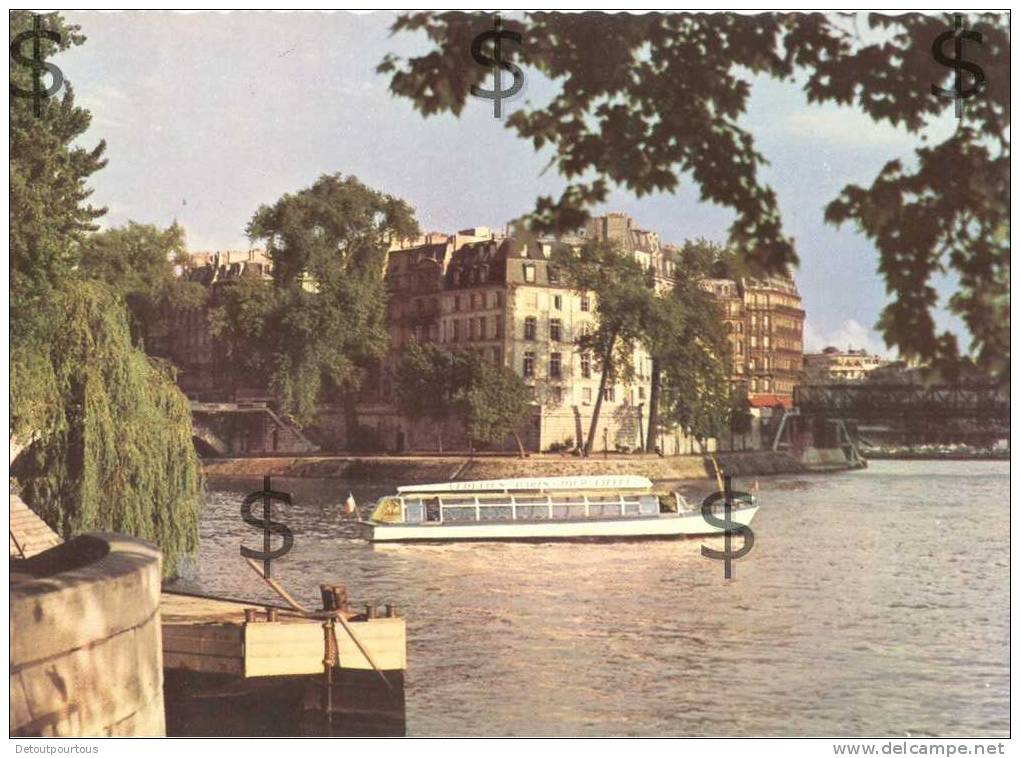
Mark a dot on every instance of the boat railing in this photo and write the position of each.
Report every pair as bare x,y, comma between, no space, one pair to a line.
459,508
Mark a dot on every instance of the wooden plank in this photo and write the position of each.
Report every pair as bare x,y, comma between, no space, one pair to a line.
205,664
281,649
218,632
184,645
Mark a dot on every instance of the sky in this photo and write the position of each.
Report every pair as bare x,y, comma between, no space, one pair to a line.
207,116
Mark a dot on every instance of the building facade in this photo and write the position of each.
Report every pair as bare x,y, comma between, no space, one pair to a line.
765,325
504,299
835,366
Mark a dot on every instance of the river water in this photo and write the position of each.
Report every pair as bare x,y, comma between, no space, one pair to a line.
874,603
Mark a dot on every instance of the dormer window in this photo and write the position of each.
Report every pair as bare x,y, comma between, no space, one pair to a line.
529,272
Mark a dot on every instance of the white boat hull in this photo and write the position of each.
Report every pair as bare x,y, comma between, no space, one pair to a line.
663,526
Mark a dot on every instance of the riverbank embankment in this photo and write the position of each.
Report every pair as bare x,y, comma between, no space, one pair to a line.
412,469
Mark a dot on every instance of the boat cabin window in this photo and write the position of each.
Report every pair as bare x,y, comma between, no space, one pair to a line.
432,509
527,507
414,510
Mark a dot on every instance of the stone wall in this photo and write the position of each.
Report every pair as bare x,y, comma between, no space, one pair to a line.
419,469
86,659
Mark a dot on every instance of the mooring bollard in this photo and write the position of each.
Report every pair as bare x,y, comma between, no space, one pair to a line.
391,611
272,614
250,615
370,611
334,597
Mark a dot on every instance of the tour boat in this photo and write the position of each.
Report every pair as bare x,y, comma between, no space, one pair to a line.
540,509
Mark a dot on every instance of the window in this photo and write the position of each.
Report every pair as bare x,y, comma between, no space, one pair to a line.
609,395
529,272
474,299
556,393
456,331
472,332
499,299
641,393
529,365
495,355
456,277
555,330
586,365
499,327
558,302
585,303
481,328
555,365
456,303
554,275
530,327
586,396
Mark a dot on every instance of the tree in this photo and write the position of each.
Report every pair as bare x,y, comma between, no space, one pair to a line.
241,311
496,403
425,386
109,433
648,99
434,385
325,320
119,456
622,300
688,338
48,216
136,262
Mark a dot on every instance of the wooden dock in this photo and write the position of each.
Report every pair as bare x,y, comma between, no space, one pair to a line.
212,636
236,668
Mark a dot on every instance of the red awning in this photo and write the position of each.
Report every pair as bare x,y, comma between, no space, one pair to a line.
770,401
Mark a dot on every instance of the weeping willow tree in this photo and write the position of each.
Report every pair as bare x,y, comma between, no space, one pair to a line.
116,452
108,434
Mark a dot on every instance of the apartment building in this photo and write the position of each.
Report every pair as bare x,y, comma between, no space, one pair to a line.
835,366
765,326
503,298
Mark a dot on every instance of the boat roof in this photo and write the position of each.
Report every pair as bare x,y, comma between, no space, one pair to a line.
534,483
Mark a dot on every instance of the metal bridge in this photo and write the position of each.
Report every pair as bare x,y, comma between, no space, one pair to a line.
883,402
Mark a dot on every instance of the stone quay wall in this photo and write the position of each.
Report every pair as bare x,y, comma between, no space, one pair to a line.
394,470
86,658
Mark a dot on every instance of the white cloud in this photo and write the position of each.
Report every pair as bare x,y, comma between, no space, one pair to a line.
845,127
851,333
